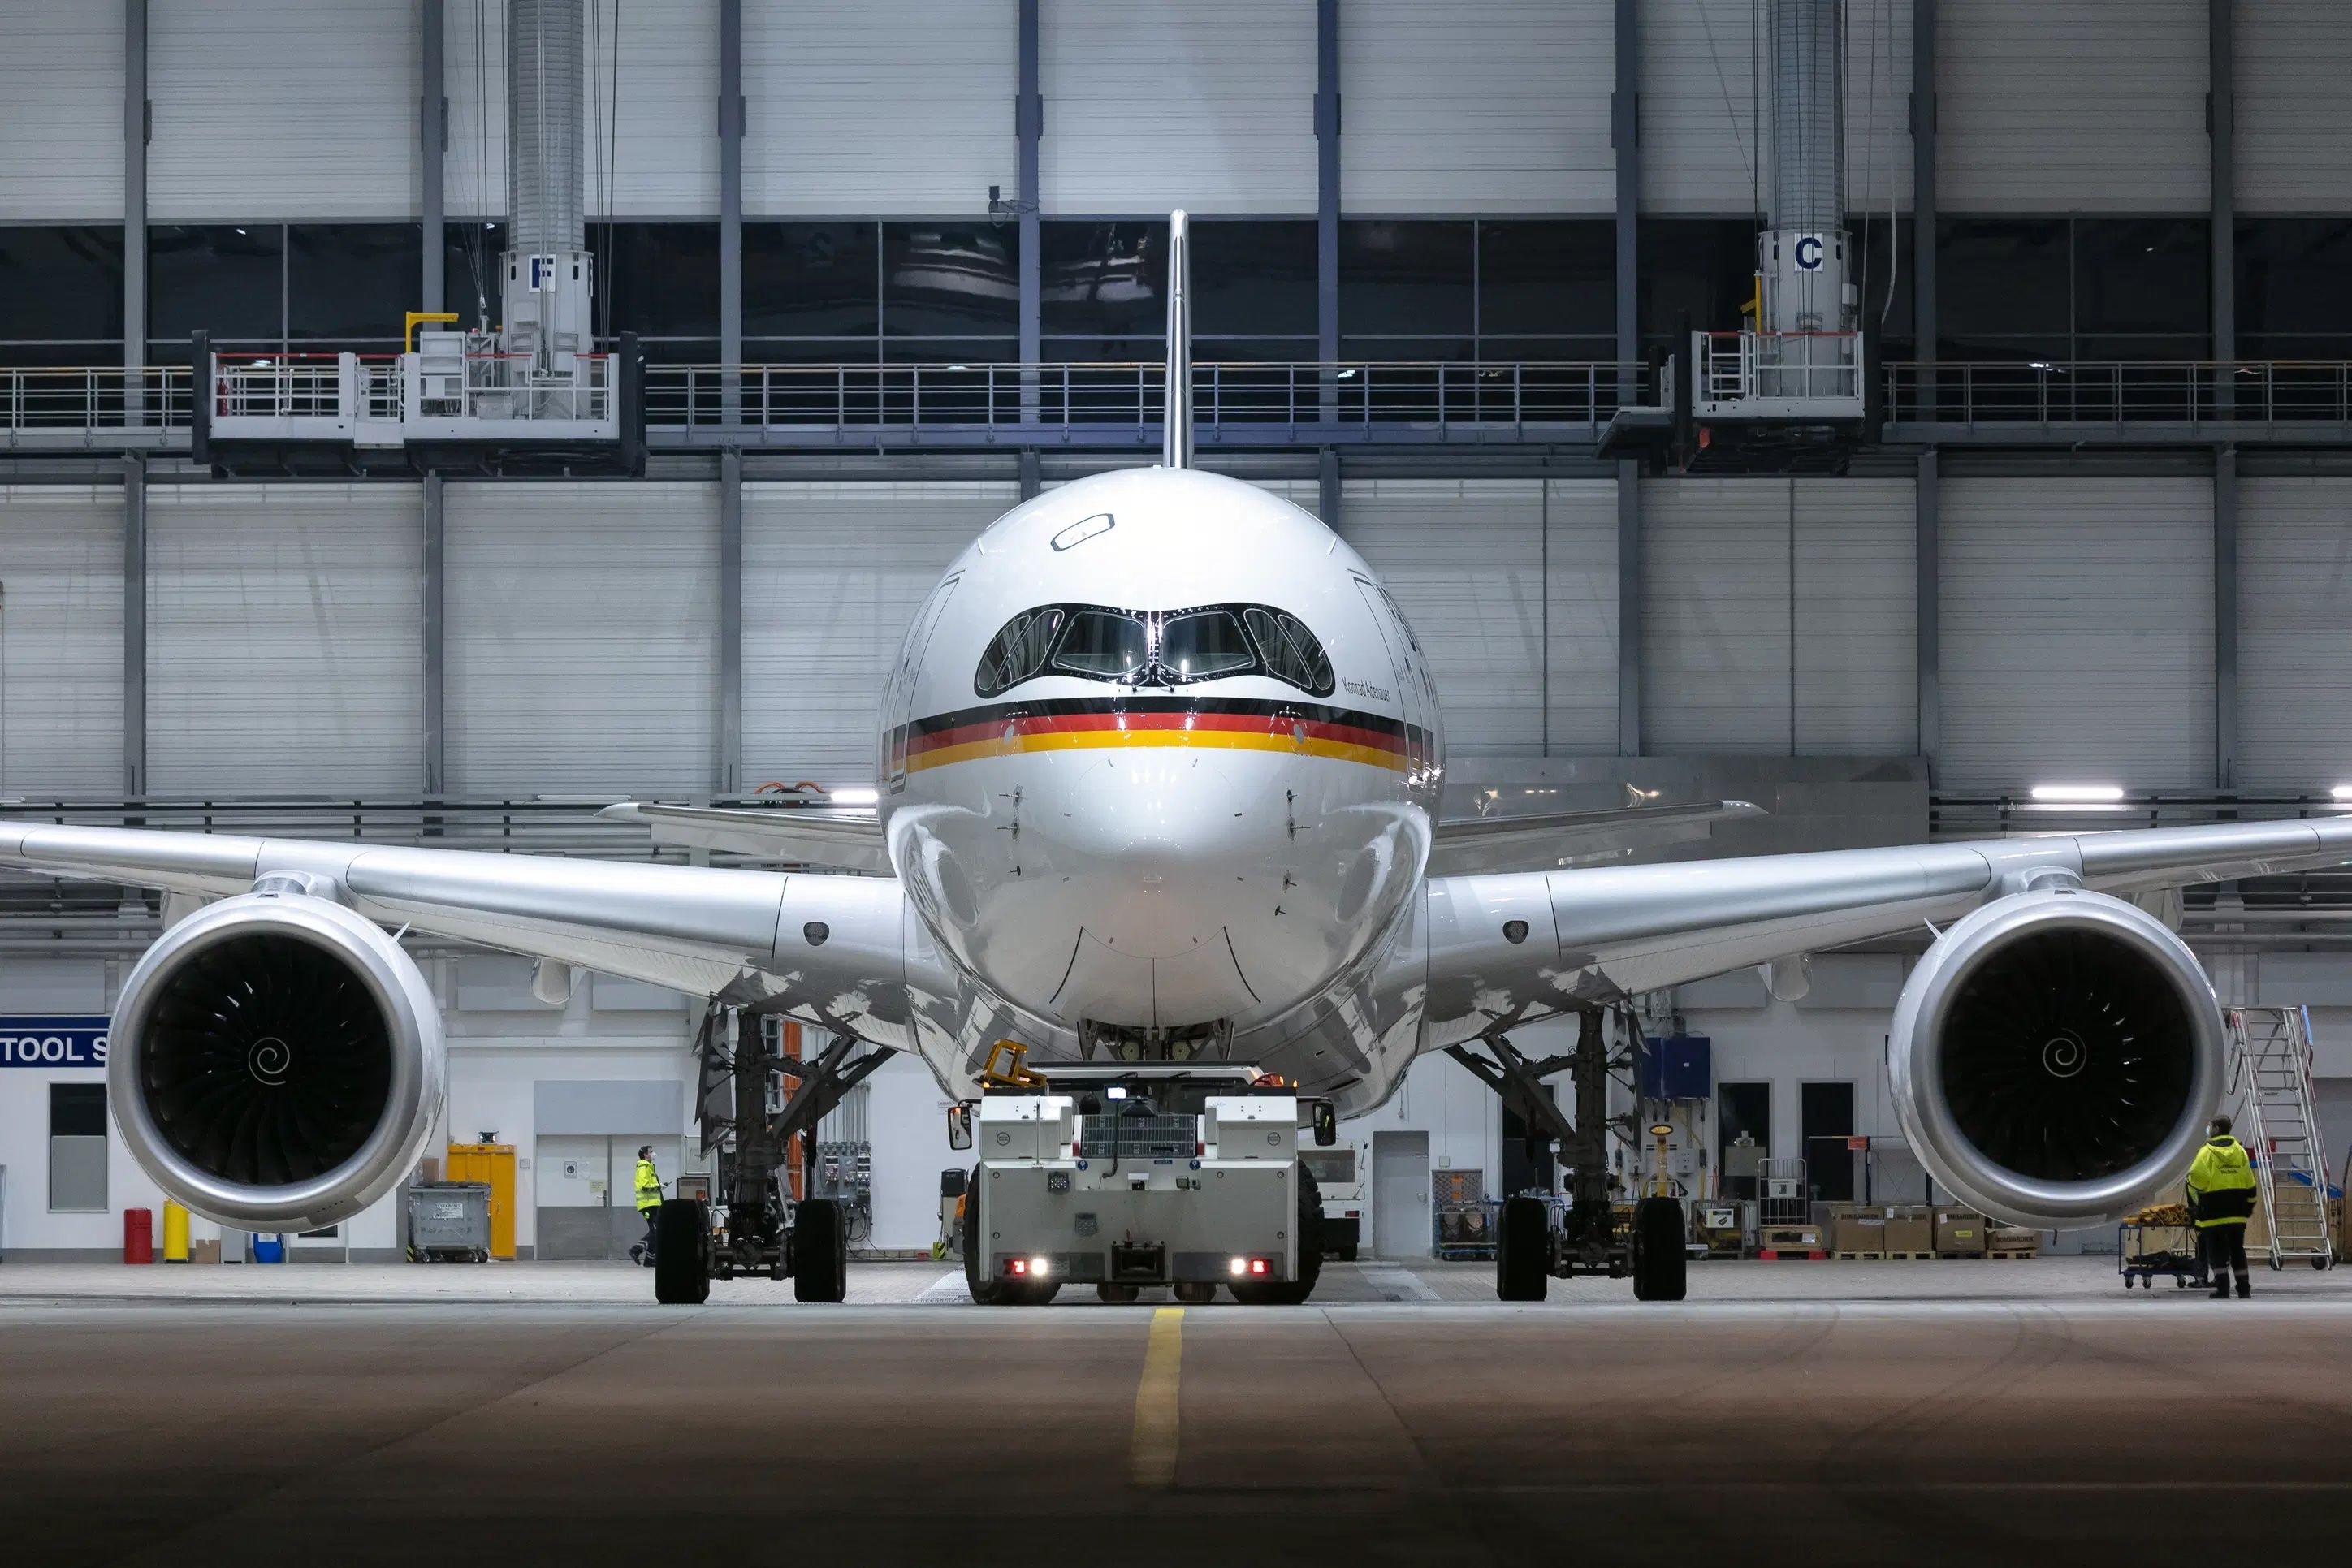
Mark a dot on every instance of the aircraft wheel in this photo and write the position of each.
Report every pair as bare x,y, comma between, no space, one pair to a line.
1522,1251
820,1252
682,1253
1661,1267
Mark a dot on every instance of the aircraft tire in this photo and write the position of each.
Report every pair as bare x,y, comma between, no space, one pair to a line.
1522,1251
682,1253
820,1252
1310,1227
1661,1266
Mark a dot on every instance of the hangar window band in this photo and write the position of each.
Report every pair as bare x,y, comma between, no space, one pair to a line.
1154,648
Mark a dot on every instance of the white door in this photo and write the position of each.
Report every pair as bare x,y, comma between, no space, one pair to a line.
1401,1222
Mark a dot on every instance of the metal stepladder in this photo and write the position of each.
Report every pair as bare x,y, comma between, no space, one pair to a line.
2270,1066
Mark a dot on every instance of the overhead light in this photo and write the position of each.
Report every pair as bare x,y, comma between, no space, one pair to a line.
2342,793
2037,364
853,795
2078,794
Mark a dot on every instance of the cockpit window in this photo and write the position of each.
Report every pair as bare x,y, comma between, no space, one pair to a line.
1154,648
1289,649
1199,644
1105,645
1019,650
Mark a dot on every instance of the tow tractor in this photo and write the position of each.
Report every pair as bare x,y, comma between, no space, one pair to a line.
1137,1175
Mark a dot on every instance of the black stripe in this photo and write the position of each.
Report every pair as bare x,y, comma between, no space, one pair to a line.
1059,707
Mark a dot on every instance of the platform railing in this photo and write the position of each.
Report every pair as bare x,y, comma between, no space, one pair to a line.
2119,392
994,396
93,399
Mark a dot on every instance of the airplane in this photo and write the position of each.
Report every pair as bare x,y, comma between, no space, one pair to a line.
1159,765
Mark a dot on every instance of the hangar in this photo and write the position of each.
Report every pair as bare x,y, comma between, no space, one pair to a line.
1761,428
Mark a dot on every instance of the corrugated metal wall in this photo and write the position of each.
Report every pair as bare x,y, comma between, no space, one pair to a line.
60,640
1483,106
280,108
1466,560
2294,633
859,110
1877,106
1698,107
583,634
1746,580
2077,636
2072,106
285,650
1207,106
61,111
832,575
2294,139
667,162
474,77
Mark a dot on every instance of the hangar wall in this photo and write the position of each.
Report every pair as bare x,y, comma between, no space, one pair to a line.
2075,626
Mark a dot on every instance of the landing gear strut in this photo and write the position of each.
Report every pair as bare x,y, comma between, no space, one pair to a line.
1529,1249
763,1231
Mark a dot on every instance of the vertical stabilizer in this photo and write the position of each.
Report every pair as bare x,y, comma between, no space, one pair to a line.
1176,444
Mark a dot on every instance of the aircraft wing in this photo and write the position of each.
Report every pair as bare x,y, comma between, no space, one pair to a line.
849,840
1514,946
1550,840
832,947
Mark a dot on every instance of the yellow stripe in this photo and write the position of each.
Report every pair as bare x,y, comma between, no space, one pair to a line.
1151,1459
1098,739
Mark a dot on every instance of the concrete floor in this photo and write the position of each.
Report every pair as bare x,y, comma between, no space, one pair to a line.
1820,1413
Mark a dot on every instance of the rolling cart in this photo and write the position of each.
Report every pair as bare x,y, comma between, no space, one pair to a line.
2144,1251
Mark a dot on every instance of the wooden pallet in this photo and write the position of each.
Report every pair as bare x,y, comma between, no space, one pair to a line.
2014,1256
1790,1255
1887,1257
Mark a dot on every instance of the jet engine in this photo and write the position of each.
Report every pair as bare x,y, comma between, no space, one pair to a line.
276,1061
2055,1057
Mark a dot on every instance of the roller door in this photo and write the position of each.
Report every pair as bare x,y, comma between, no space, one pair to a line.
2294,634
584,637
1207,106
2295,139
832,576
857,109
284,640
2077,640
61,641
1488,106
1466,562
2072,106
62,112
280,108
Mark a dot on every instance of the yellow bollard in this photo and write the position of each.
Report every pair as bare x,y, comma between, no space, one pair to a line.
175,1233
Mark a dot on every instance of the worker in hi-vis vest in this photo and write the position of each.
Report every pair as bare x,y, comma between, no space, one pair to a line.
649,1196
2220,1200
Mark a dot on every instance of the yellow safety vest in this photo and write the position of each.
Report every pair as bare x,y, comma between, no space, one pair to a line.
2222,1184
648,1187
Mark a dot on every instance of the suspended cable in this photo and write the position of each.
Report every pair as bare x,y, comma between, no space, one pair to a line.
1731,111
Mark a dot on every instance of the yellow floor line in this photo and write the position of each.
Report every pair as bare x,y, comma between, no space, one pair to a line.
1151,1459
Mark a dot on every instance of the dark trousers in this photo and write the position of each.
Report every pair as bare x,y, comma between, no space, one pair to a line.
653,1223
2225,1250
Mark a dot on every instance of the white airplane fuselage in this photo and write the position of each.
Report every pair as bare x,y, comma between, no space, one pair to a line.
1129,798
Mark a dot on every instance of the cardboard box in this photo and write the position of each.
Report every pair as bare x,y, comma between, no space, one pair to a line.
1910,1228
1959,1230
205,1251
1858,1231
2011,1239
1789,1238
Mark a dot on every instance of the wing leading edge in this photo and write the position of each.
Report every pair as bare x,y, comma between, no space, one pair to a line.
1511,947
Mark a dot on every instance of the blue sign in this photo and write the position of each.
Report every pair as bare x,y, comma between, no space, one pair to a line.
53,1041
1809,253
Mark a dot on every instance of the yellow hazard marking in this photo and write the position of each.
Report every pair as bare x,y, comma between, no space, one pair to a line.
1151,1460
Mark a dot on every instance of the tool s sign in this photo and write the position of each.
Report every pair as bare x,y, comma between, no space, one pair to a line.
53,1041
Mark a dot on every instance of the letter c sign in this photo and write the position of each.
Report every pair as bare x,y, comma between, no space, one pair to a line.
1809,253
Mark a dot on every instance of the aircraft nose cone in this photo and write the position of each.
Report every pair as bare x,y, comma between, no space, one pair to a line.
1147,846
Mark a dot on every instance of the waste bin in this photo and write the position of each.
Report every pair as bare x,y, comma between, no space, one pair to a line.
268,1249
139,1236
449,1222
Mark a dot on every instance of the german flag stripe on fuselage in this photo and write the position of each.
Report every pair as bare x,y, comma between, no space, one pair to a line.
1071,723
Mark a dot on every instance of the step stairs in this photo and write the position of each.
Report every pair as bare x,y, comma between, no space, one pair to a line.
2270,1070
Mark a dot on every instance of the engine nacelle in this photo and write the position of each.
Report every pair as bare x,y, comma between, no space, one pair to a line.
2055,1058
276,1062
